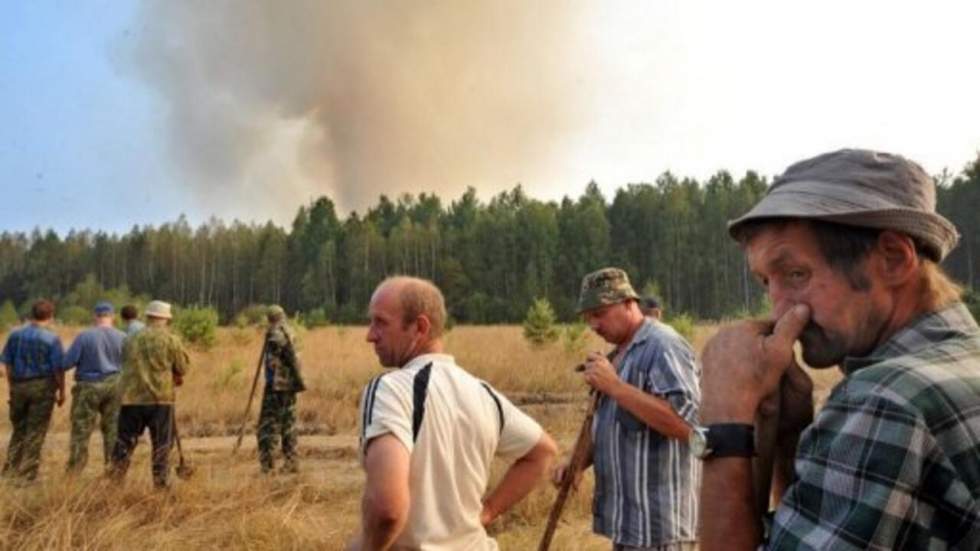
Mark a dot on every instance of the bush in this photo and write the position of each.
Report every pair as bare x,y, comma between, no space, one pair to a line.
574,337
74,315
683,324
8,315
197,325
539,325
316,317
253,314
972,300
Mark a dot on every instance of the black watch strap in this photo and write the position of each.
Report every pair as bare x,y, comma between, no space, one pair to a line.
731,440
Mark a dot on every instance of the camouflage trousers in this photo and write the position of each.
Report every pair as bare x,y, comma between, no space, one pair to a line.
91,401
277,419
31,404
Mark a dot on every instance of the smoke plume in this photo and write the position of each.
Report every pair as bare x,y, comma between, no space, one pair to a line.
270,103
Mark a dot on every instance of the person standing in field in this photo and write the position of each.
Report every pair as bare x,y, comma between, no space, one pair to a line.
283,379
130,316
847,246
429,432
32,359
646,480
154,362
651,308
97,352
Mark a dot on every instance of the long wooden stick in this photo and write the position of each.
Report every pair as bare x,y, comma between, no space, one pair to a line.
251,396
575,464
766,429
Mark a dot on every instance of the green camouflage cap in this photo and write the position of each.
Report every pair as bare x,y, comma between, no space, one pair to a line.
604,287
276,311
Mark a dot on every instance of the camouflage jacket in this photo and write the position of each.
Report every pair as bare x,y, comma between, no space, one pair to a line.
151,358
282,365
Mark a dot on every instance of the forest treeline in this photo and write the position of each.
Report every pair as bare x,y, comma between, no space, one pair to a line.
492,259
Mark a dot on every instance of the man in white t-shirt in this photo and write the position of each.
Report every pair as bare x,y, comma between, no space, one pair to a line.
429,432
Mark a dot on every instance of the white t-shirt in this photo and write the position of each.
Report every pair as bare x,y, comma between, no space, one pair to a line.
452,441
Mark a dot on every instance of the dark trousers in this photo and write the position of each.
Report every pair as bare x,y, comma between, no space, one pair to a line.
31,404
133,419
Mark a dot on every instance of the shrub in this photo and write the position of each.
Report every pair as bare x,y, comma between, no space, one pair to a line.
683,324
972,300
574,337
253,314
8,315
74,315
316,317
539,324
197,325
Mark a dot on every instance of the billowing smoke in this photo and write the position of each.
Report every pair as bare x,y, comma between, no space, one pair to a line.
270,103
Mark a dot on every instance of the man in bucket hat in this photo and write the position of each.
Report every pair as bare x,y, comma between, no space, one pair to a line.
646,479
847,246
154,362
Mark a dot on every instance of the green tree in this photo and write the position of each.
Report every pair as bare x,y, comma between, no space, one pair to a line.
539,324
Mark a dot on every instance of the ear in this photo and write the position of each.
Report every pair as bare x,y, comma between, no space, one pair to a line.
899,262
424,324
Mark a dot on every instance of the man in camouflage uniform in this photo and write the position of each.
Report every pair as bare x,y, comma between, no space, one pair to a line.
283,379
32,358
154,361
98,354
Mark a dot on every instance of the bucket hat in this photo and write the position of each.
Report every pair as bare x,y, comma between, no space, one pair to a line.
861,188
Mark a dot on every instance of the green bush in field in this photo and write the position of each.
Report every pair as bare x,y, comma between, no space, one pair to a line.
316,317
574,337
197,325
8,315
253,314
539,324
972,300
74,315
683,324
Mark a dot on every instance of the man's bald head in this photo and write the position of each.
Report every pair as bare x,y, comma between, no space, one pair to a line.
417,297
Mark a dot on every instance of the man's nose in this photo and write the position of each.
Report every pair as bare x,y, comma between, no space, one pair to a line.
782,301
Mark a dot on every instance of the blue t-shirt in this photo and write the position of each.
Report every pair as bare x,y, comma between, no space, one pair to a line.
97,352
32,352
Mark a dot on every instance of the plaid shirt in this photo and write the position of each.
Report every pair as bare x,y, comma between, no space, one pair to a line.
32,352
892,461
646,485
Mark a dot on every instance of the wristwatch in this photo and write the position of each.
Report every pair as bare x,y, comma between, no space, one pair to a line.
722,440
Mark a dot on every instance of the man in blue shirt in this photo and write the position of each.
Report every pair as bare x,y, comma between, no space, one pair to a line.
97,352
130,317
32,359
646,480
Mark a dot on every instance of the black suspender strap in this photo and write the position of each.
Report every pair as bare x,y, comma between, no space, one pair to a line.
496,400
420,388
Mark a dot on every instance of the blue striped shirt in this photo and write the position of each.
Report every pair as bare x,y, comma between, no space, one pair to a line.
32,352
646,485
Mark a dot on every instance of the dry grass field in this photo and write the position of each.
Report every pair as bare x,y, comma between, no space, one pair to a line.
228,505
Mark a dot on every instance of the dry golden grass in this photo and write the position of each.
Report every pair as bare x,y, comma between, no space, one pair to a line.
227,504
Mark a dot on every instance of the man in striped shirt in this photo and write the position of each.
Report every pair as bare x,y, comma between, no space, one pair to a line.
646,480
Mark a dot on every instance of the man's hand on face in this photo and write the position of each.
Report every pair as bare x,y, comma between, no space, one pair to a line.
600,374
743,363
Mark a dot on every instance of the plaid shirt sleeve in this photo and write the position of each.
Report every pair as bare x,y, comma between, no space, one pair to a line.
867,470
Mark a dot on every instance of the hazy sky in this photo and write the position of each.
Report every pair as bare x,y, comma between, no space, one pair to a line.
117,113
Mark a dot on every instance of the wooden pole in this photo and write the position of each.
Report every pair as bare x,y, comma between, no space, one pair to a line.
575,464
251,396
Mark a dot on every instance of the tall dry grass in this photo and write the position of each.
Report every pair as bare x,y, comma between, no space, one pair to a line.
227,504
